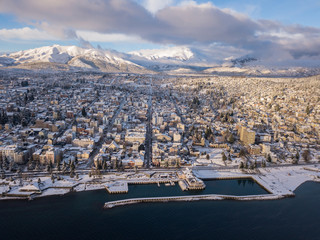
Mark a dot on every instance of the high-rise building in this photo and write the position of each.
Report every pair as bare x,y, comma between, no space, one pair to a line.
247,136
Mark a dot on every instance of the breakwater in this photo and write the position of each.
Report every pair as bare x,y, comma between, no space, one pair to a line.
192,198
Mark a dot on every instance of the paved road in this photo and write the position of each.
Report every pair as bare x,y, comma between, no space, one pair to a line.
155,169
106,130
178,109
148,140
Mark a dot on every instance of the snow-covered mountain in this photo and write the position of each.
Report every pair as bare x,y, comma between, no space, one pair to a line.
174,56
173,53
69,58
179,59
173,60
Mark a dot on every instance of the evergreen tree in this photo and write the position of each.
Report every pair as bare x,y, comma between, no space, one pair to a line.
224,157
306,155
208,133
230,138
308,110
83,111
243,152
72,166
269,158
241,166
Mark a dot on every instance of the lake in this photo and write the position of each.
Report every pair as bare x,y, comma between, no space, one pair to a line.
81,216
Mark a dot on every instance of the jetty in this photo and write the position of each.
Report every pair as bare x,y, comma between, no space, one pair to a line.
113,204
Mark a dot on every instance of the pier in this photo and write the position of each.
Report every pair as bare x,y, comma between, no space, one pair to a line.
192,198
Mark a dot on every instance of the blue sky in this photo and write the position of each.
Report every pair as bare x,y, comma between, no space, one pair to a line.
304,12
262,27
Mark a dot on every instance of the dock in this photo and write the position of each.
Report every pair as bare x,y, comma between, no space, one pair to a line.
117,187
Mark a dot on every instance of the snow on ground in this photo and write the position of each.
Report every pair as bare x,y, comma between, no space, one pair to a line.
284,180
213,174
4,189
54,191
277,180
117,187
281,180
215,157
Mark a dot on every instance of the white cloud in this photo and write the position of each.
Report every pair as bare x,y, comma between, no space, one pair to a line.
175,22
104,37
154,6
25,33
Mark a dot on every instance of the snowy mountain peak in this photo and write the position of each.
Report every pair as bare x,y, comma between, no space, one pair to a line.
172,53
70,57
60,54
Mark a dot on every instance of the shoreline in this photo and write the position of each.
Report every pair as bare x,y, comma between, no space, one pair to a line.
275,181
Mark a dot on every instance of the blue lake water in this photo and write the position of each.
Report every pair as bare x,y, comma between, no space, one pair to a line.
80,215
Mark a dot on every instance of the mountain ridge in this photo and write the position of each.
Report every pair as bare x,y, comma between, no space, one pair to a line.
72,57
171,60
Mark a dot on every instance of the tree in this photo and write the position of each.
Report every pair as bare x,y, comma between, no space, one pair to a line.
166,164
255,164
308,110
230,138
196,101
83,111
49,167
208,133
243,152
72,166
306,155
224,157
178,164
241,165
52,178
269,158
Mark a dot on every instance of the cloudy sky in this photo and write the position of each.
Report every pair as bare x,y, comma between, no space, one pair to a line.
287,30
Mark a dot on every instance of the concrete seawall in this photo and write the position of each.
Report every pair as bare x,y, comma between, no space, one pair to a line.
193,198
